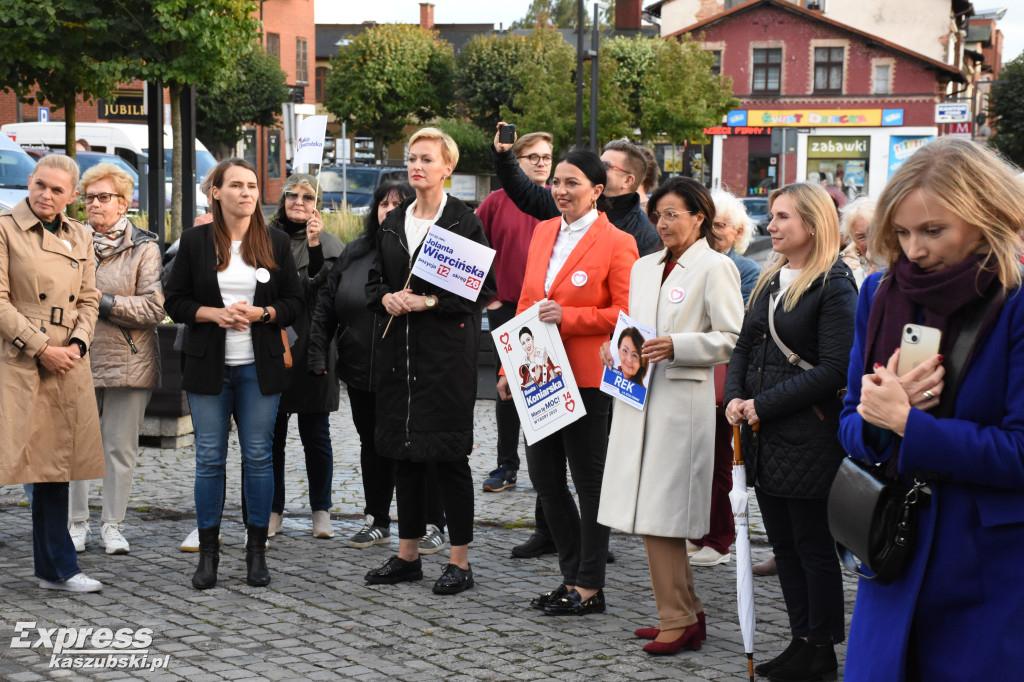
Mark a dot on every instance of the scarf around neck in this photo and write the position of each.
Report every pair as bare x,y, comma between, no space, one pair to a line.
105,243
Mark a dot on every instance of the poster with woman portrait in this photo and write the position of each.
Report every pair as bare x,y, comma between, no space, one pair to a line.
539,377
629,379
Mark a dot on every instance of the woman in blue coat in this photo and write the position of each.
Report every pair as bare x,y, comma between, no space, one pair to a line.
948,226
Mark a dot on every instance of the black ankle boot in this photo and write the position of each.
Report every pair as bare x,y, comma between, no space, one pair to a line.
811,662
256,557
205,576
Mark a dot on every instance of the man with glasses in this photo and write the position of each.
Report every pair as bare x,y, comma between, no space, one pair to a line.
626,168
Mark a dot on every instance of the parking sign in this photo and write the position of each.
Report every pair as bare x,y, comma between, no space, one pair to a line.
44,114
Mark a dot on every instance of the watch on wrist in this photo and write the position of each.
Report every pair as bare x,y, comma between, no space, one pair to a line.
430,301
265,317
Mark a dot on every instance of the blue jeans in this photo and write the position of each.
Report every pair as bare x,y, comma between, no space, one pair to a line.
315,433
255,414
52,549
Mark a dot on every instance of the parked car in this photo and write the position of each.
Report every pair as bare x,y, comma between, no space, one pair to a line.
363,181
15,167
757,209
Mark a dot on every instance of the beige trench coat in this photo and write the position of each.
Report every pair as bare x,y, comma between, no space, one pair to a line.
49,425
657,477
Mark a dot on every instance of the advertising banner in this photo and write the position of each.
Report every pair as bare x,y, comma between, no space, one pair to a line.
902,147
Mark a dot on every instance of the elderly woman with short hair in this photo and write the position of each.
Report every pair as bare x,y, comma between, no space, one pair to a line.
125,356
855,223
733,229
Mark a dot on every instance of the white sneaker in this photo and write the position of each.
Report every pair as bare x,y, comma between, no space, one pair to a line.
191,543
432,541
80,533
709,557
322,527
76,583
111,538
275,524
691,548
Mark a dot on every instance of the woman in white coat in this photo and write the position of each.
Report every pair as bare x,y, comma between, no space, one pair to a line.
657,478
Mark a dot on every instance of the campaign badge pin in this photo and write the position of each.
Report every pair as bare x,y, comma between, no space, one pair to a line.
262,276
676,295
579,278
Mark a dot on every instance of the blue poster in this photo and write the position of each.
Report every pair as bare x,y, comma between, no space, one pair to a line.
630,376
902,147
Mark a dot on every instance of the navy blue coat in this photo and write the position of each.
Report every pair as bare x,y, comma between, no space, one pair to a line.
963,595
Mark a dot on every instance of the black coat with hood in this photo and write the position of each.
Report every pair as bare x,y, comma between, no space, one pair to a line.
796,451
426,365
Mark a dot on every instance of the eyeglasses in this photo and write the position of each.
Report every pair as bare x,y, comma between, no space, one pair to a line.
609,164
536,159
104,197
304,198
669,215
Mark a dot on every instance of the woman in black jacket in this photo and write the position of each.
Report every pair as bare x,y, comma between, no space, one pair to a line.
427,362
788,388
235,285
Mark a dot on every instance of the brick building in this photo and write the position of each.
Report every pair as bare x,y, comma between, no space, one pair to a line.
819,99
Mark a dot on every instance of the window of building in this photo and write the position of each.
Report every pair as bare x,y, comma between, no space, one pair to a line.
301,63
767,70
881,84
274,154
716,68
828,69
274,45
321,75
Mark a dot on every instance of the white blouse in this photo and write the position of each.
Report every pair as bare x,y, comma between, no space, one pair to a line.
568,237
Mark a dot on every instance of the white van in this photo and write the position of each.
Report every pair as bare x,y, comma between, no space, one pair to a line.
127,140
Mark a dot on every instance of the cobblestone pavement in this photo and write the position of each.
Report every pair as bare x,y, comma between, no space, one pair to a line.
318,620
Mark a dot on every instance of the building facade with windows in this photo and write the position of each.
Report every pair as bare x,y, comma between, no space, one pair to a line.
820,100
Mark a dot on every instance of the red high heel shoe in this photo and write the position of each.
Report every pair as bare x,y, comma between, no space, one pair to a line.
690,639
652,633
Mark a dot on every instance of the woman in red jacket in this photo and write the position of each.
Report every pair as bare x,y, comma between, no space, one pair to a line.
578,268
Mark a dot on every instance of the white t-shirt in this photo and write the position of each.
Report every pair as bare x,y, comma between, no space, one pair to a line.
787,276
416,228
237,283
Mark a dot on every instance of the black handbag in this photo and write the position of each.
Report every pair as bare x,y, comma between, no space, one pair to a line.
874,518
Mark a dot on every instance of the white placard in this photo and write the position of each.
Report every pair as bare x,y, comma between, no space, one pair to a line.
539,376
452,262
629,379
309,144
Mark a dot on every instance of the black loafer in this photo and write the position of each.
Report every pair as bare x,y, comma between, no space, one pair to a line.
395,570
537,545
572,605
454,580
554,595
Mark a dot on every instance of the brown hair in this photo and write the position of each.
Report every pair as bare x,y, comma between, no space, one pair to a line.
636,164
257,250
530,139
650,182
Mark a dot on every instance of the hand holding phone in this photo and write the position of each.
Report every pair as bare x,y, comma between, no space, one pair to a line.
507,133
919,343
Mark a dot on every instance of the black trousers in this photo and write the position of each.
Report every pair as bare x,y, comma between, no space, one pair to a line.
809,573
379,472
454,482
581,541
505,410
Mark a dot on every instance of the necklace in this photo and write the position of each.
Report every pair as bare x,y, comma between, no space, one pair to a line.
236,248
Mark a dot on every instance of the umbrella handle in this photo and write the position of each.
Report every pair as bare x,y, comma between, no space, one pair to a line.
737,453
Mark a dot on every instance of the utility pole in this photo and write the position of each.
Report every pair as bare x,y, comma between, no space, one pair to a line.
595,44
579,73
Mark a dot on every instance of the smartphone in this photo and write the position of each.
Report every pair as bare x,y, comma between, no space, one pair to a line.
919,343
507,133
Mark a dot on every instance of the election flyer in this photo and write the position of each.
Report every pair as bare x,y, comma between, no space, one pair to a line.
452,262
629,380
539,377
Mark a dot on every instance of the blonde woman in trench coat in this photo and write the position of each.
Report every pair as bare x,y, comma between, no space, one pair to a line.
49,425
657,478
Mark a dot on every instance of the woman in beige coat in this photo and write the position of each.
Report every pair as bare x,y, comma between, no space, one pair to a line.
125,357
49,427
657,478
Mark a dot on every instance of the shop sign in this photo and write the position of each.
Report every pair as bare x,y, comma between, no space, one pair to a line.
738,130
960,130
902,147
126,105
952,112
815,117
737,117
838,147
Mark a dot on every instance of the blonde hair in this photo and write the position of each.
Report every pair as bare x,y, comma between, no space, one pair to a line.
729,209
60,162
968,180
530,139
818,214
449,150
123,183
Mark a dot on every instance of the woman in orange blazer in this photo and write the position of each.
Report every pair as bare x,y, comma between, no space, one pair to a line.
578,268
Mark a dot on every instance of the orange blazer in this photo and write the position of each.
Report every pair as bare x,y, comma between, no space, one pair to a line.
590,305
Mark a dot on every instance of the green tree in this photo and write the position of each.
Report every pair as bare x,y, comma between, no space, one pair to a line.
55,51
668,86
182,44
388,77
474,145
252,95
1006,109
562,14
487,77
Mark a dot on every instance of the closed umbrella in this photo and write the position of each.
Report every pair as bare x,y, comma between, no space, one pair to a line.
738,496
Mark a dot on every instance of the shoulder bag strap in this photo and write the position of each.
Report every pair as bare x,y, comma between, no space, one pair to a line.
791,357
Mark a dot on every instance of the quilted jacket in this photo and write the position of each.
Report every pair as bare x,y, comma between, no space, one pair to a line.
796,451
131,305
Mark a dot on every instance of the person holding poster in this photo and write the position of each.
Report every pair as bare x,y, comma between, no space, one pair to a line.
427,364
657,480
631,360
578,269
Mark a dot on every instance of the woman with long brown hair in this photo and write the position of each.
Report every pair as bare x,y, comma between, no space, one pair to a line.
235,285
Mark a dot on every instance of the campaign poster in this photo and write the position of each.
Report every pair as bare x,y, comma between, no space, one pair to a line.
452,262
629,379
539,377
